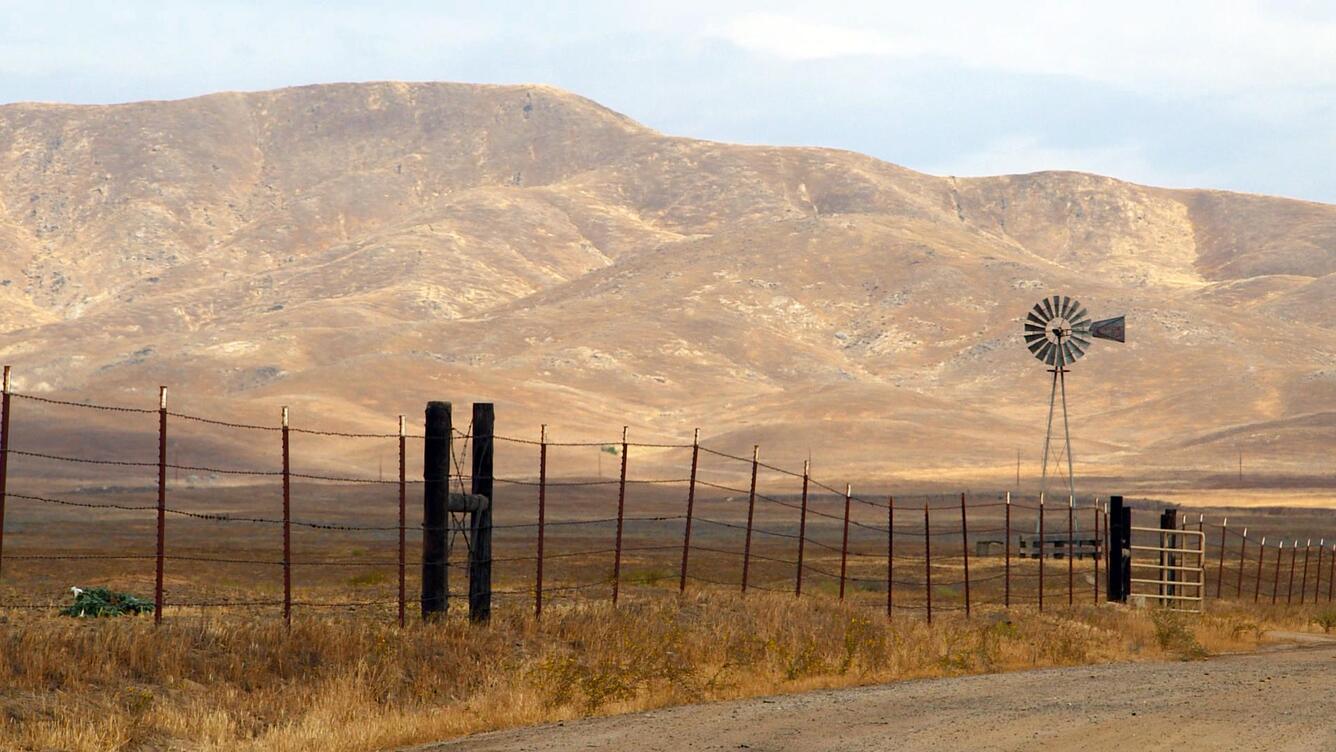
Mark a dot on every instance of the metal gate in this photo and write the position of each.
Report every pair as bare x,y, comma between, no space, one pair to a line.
1171,564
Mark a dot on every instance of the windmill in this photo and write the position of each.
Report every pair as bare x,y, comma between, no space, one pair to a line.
1058,331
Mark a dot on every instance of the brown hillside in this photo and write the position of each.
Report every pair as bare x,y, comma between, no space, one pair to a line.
353,250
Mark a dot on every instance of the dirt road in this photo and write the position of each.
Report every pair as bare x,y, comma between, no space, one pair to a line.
1279,700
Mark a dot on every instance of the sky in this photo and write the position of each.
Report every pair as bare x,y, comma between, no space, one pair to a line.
1190,93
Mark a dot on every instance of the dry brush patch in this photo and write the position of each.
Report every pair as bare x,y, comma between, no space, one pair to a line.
334,682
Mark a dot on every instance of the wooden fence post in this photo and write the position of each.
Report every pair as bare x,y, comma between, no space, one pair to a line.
802,533
890,556
751,510
287,525
965,549
844,544
1006,556
542,519
162,500
403,514
691,505
1220,573
4,461
927,559
621,512
480,520
438,432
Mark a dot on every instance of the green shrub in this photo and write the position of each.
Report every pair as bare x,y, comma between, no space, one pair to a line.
103,602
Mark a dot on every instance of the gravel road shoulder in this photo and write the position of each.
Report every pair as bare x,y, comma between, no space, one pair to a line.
1274,700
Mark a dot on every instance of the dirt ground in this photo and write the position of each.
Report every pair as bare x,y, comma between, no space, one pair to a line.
1282,699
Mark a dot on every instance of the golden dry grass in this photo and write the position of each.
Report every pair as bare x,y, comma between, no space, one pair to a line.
358,684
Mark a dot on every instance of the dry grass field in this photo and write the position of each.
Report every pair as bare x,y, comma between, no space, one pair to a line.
225,680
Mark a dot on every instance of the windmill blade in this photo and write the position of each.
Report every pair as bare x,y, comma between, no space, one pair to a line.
1079,316
1033,320
1030,326
1051,356
1045,351
1048,309
1112,329
1066,307
1036,347
1037,313
1034,336
1056,305
1079,346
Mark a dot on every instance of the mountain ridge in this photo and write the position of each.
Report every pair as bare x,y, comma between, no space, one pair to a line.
519,241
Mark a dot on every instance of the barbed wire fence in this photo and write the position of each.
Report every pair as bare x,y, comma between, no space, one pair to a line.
724,520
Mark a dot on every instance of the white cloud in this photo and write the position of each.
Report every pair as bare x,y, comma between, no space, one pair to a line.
1165,47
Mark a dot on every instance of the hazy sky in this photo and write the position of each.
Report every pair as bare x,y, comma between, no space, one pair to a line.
1182,93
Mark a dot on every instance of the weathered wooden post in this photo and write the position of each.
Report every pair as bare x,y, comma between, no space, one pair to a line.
435,495
1220,572
1120,541
480,517
1243,557
1303,582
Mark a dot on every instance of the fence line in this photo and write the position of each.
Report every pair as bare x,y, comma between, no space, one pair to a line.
946,567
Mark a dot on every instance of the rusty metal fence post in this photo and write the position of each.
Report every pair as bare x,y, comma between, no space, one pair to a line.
403,519
802,532
287,526
1097,551
542,519
844,544
1317,572
162,502
4,460
1006,556
1303,583
691,506
751,511
927,559
890,556
965,551
1257,585
1243,558
621,513
1041,551
1071,550
1220,571
1294,556
1275,580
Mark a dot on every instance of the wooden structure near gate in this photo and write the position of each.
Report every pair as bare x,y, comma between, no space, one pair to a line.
438,503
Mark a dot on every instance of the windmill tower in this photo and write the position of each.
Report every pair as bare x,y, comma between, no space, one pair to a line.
1058,331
